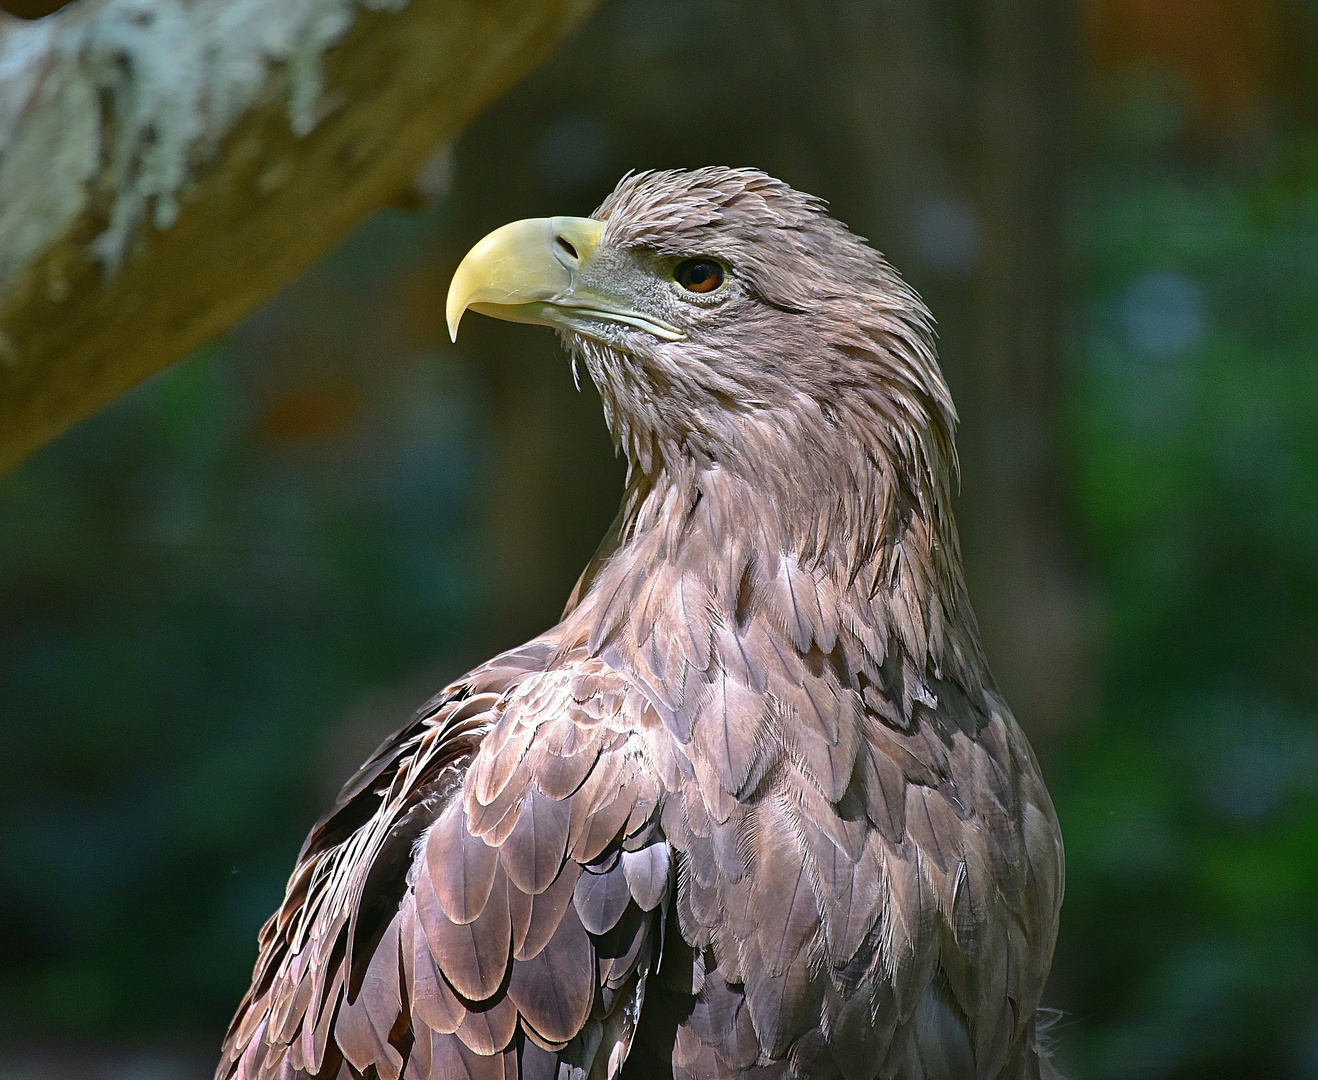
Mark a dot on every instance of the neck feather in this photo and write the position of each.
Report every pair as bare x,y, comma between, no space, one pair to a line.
854,532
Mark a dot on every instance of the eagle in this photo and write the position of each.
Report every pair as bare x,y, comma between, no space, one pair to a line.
754,808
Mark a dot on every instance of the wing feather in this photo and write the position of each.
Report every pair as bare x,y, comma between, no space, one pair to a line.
533,853
601,899
364,1025
485,953
648,871
468,867
547,910
474,956
489,1030
555,989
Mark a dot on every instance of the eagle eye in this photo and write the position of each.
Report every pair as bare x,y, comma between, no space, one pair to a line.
698,275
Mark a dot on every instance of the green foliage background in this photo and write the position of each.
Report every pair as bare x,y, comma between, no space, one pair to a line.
1190,798
217,594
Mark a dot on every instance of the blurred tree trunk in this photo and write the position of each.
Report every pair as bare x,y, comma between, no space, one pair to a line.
166,165
1029,604
963,118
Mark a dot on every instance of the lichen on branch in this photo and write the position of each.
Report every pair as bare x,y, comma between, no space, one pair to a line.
148,88
165,165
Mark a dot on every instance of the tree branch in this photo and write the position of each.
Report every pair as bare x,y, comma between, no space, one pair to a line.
166,165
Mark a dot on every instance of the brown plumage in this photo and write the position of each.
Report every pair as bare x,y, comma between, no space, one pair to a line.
753,807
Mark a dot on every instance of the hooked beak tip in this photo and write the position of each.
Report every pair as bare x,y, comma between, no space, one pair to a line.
520,266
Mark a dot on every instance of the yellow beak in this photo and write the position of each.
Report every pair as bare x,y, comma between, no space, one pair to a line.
535,271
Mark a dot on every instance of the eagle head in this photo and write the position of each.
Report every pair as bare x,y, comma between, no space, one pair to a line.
724,315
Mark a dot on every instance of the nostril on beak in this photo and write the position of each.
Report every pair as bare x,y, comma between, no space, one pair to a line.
567,247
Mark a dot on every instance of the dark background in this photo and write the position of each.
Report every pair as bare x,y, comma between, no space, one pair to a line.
216,596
